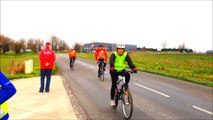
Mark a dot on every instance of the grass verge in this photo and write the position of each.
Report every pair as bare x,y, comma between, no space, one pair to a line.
9,59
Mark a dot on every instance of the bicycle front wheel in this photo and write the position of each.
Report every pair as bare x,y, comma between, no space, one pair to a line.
116,99
127,104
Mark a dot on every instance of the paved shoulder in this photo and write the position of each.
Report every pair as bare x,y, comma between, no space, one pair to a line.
28,103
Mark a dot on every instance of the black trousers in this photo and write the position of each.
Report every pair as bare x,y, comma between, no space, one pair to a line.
72,59
99,65
114,76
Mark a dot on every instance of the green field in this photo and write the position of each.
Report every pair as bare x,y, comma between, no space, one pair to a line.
6,60
196,68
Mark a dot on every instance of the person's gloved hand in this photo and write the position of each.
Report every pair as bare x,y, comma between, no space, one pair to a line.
97,62
112,69
134,70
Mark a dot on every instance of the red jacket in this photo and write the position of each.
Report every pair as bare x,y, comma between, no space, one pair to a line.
101,53
47,56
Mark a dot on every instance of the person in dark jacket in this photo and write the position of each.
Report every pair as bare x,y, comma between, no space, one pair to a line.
117,67
7,90
47,58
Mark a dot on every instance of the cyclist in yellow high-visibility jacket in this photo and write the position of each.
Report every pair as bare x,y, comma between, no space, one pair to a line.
7,90
117,67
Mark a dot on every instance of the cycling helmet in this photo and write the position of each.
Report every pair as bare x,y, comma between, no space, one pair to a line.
120,45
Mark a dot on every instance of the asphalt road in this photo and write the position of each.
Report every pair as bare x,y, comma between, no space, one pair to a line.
154,96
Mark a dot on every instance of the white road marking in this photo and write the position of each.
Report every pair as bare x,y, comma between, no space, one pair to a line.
160,93
198,108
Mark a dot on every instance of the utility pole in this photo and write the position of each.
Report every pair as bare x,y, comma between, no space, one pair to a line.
81,46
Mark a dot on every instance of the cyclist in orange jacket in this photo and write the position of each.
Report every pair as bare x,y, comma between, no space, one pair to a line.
72,56
100,56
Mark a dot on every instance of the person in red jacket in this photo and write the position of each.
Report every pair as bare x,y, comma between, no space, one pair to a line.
47,58
101,56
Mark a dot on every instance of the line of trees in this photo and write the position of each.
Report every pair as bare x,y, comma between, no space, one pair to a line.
144,49
34,45
181,48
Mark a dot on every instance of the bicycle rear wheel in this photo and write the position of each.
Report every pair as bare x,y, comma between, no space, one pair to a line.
102,72
127,104
72,64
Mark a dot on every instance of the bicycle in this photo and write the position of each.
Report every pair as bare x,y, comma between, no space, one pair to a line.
101,70
72,64
123,93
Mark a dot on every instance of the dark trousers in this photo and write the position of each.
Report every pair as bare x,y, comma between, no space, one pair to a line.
101,61
45,73
114,76
72,59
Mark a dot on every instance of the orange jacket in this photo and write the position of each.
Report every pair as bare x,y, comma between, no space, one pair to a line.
101,53
72,53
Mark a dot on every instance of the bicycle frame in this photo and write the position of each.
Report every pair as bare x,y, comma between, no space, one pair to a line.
119,90
122,93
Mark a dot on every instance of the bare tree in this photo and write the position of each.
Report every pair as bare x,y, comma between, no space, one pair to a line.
77,47
182,46
5,43
58,44
54,42
34,44
30,44
38,44
62,45
18,45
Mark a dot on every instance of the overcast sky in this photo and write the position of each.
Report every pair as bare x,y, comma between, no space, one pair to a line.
143,23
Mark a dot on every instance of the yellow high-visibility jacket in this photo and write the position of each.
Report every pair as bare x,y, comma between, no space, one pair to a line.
3,109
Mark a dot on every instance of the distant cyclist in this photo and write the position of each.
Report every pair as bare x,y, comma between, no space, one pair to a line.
101,56
117,67
72,56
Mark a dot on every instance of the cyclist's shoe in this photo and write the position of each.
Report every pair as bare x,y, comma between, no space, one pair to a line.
112,103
